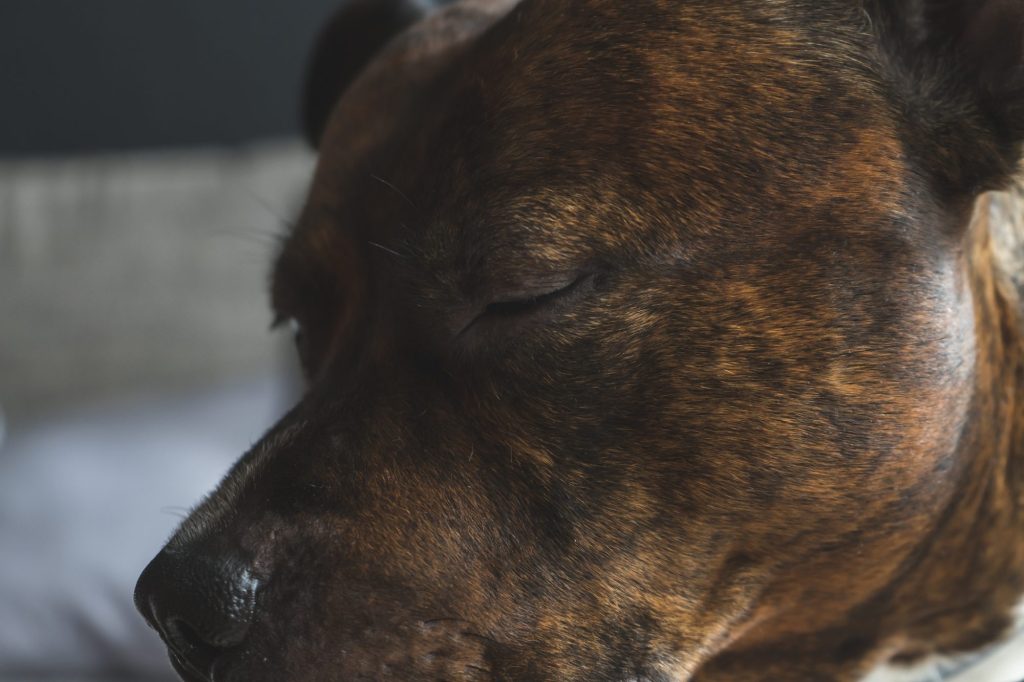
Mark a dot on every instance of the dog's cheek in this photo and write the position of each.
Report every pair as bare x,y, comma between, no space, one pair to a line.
719,399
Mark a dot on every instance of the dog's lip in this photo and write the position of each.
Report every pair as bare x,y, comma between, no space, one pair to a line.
213,669
219,670
185,669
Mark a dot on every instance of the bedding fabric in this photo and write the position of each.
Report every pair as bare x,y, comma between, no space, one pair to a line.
135,366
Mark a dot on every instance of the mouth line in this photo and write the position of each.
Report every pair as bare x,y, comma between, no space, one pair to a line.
185,669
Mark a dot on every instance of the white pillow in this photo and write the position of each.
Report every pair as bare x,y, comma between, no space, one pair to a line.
86,500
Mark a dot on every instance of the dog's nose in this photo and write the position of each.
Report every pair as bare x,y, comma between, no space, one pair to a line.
201,602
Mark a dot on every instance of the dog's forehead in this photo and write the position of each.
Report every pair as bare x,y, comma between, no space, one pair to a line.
700,107
569,129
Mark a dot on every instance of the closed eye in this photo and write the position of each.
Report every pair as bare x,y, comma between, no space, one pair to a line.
516,306
521,305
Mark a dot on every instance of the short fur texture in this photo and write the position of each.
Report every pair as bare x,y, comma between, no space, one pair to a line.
649,341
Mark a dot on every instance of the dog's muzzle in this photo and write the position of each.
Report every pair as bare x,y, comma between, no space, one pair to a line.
201,601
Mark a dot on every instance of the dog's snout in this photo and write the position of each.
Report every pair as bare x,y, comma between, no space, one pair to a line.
201,602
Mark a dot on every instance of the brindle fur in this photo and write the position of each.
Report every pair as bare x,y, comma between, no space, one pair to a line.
773,432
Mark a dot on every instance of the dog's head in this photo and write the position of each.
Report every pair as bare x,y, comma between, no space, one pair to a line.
632,331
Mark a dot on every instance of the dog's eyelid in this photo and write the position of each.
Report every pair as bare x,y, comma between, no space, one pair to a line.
524,300
535,289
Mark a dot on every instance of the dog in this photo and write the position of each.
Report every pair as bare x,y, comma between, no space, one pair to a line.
648,341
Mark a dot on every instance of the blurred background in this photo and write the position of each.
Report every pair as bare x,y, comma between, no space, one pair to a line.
149,158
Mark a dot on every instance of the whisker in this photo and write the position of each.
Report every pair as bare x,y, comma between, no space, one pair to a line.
394,189
387,250
269,208
180,512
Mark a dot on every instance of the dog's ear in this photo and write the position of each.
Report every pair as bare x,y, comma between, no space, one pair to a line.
962,64
349,41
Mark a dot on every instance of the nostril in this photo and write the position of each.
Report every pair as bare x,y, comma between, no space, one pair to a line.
187,634
183,633
202,603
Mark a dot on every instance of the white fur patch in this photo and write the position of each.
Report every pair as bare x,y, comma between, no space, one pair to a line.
1001,662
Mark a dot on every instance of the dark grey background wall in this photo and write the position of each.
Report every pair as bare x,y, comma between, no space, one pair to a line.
93,75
